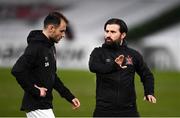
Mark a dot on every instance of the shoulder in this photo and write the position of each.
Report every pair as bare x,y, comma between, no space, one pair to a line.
97,49
36,45
33,48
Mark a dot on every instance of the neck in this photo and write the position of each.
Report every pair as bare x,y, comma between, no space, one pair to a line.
121,42
45,33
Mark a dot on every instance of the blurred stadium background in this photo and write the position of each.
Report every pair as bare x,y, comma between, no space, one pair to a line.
154,30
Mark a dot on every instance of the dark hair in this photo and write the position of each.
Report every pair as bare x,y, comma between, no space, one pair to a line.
123,27
54,18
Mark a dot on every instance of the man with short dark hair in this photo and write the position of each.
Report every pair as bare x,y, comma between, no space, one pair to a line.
115,65
35,70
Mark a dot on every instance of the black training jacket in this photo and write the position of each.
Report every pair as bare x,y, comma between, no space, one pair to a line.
115,87
38,66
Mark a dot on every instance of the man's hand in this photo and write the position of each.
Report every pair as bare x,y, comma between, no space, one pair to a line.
119,60
150,98
76,103
42,90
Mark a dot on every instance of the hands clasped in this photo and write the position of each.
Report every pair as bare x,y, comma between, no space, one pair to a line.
42,90
119,60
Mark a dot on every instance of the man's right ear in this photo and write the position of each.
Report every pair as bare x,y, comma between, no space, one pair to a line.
51,28
123,35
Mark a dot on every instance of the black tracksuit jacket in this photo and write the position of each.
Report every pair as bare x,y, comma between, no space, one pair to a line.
38,66
115,89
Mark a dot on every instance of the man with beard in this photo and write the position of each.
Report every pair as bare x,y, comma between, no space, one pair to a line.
35,70
115,65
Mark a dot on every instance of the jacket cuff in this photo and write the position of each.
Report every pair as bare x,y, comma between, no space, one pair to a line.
148,93
70,97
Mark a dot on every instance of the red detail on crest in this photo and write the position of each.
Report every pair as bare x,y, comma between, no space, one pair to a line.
129,60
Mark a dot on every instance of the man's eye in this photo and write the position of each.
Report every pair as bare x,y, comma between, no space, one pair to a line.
113,32
62,31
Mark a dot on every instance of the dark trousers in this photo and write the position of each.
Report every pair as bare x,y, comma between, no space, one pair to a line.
127,112
116,114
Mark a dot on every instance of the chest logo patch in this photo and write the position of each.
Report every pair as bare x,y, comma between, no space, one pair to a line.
46,58
108,60
46,64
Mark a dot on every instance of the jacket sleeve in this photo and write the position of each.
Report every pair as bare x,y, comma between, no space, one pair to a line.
23,66
63,90
97,65
145,74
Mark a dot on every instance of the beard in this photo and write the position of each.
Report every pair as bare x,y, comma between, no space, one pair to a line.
109,41
55,39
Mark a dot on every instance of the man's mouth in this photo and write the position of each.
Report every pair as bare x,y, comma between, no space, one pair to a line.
108,39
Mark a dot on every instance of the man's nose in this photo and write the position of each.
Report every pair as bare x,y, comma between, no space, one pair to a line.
108,34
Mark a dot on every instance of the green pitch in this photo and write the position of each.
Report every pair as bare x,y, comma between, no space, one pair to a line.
82,84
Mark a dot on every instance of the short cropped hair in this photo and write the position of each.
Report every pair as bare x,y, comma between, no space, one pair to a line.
54,18
123,27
